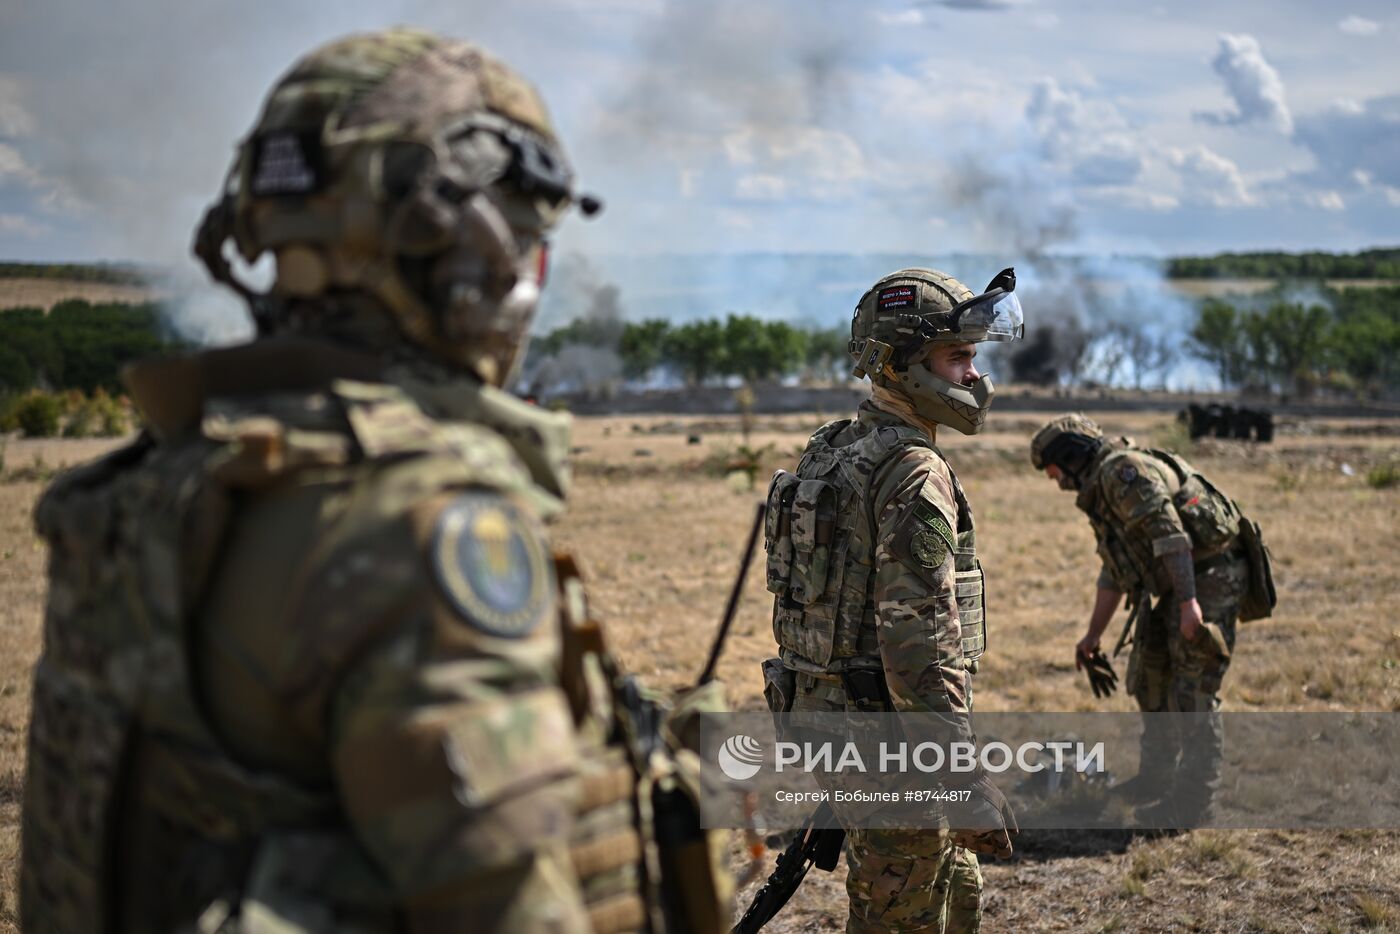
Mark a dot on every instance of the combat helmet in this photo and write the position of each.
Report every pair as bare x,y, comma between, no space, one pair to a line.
1070,442
901,314
417,170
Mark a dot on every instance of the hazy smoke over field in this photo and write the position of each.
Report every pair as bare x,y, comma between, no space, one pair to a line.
586,360
703,123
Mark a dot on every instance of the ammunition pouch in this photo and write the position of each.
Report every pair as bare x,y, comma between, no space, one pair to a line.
779,685
1260,598
866,689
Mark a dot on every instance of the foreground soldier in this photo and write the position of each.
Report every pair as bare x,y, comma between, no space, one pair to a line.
872,556
1163,531
309,663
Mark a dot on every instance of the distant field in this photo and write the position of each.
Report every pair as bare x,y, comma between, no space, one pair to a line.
1218,288
45,293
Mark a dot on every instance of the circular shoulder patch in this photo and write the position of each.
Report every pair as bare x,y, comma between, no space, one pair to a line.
1127,473
491,565
929,548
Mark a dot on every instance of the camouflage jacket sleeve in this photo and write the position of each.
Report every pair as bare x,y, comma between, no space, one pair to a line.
1136,490
916,611
452,744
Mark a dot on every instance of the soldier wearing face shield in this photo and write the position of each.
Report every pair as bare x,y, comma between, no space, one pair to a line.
878,589
310,662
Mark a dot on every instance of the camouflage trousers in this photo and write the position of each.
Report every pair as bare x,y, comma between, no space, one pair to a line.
899,880
1168,673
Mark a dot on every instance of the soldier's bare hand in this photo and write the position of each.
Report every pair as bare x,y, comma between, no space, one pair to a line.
1084,650
1191,619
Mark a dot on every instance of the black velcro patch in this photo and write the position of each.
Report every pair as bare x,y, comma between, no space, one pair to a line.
286,163
897,298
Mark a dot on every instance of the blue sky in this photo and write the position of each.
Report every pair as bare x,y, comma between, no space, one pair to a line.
1006,126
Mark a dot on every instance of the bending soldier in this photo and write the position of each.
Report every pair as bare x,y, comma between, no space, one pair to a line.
310,664
1164,532
872,557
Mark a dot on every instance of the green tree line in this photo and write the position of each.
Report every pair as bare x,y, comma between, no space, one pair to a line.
1368,264
737,345
77,345
1350,342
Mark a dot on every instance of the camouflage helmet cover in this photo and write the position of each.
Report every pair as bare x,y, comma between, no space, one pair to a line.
1074,423
926,293
417,169
901,314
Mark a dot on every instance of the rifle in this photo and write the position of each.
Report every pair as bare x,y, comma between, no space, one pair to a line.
816,845
735,592
1134,627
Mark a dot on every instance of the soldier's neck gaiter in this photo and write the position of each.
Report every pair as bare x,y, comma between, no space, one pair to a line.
887,400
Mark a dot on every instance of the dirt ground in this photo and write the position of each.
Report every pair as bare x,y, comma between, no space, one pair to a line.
659,518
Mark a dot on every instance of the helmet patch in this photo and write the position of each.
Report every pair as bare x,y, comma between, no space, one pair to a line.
286,163
897,298
490,565
1127,473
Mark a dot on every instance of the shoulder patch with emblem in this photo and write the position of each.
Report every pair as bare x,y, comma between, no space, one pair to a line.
1127,473
930,538
928,548
491,565
931,518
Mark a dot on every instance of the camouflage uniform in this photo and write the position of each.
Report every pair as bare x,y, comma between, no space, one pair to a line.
1134,500
890,605
878,590
310,663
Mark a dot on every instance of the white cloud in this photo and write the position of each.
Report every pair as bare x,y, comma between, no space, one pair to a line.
1087,139
990,5
1211,179
1252,83
737,220
1326,200
809,161
1142,199
909,17
761,188
739,147
685,183
12,165
1359,26
22,226
1356,138
15,120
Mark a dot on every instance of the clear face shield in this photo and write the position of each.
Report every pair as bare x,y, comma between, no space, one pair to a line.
995,315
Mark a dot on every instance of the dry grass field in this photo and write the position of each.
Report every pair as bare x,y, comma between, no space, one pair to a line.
659,524
45,293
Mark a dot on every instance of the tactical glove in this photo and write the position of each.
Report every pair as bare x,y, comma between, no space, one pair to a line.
984,823
1102,678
